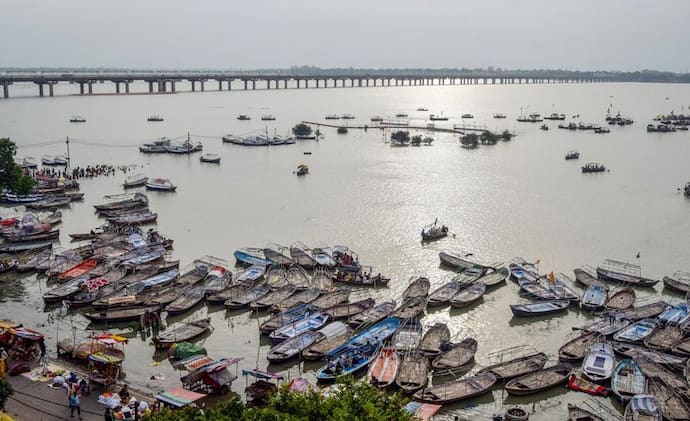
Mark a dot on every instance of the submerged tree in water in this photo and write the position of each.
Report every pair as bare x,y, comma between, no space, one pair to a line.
302,130
342,130
506,135
401,136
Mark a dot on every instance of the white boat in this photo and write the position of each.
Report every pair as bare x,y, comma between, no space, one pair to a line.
159,146
210,158
48,160
61,160
77,119
28,162
599,363
135,180
162,184
643,407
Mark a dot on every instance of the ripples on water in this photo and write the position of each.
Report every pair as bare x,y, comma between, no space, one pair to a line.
517,198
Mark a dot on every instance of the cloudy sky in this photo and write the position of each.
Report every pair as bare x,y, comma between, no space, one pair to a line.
232,34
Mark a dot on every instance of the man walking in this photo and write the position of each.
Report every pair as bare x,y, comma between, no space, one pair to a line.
74,404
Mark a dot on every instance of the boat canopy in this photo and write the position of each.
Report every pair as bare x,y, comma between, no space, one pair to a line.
179,397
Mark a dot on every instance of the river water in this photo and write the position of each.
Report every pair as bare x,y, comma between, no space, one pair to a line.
517,198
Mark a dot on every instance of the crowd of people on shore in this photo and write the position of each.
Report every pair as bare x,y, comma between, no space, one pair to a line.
90,171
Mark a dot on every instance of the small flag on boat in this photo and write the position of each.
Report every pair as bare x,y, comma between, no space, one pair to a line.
536,262
638,254
551,277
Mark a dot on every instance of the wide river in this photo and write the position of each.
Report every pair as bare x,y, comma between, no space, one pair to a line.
517,198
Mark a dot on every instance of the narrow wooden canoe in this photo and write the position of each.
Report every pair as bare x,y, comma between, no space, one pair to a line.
251,295
302,297
330,299
121,314
345,311
273,298
517,366
494,278
539,309
373,315
284,317
643,312
585,277
636,352
457,390
191,298
319,349
621,300
413,372
456,357
78,270
679,282
182,333
539,380
433,338
384,368
468,295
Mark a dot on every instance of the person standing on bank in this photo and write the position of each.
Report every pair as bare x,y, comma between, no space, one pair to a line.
74,404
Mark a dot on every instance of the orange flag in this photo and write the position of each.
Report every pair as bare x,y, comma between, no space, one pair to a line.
537,261
551,278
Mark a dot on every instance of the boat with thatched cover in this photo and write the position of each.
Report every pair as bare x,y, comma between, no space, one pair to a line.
539,380
517,366
457,390
413,372
621,300
432,340
373,315
183,333
384,368
457,356
575,349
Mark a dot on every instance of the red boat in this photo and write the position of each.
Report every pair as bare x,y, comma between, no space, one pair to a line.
581,385
78,270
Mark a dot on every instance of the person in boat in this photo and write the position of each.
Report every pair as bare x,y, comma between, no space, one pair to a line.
124,393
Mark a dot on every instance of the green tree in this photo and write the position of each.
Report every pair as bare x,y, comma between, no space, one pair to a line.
506,135
342,130
488,137
5,392
302,130
416,140
11,176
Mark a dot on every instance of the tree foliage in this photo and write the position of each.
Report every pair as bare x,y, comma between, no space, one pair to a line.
11,176
416,140
302,130
5,392
356,401
401,136
342,130
506,135
488,138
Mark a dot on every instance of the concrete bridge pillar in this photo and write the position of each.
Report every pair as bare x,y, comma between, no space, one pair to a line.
284,83
193,82
245,84
6,89
220,85
150,86
317,83
40,88
90,84
172,86
117,87
359,83
161,86
268,83
253,84
127,82
50,88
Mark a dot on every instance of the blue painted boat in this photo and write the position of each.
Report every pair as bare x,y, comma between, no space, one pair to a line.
536,290
676,314
594,297
251,256
643,407
160,279
628,380
250,275
636,331
350,360
311,322
147,257
290,315
376,333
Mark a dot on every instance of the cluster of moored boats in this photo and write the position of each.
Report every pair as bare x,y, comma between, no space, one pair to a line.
165,145
259,140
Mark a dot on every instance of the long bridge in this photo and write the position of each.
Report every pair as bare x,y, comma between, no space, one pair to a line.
168,81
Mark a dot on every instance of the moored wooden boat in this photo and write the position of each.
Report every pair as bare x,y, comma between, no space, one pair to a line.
329,299
468,295
135,180
625,273
311,322
635,332
679,282
677,314
272,298
575,413
250,295
664,338
123,202
63,291
457,390
229,293
628,380
347,361
432,340
285,317
636,352
642,408
297,277
418,288
319,349
456,261
373,315
410,308
291,347
345,311
191,298
27,238
599,362
322,280
576,349
645,311
301,297
539,380
535,290
539,308
585,276
495,277
276,277
443,294
408,335
654,370
621,300
121,314
595,297
682,348
517,367
78,270
277,257
672,404
384,368
413,372
301,257
457,356
182,333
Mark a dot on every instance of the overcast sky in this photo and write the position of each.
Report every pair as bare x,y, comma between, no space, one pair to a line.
246,34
